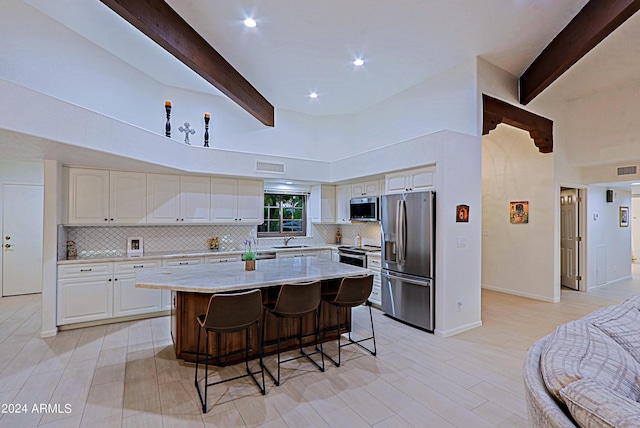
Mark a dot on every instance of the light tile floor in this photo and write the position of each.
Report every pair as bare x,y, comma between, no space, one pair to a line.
126,374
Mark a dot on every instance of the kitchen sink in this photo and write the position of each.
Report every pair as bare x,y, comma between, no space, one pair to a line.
290,246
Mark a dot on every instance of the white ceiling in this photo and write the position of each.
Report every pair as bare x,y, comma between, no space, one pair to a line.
301,46
305,45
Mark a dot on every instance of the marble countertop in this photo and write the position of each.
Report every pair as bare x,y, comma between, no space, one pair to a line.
216,278
101,257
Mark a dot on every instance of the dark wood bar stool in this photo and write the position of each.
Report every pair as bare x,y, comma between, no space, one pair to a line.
296,301
353,291
229,313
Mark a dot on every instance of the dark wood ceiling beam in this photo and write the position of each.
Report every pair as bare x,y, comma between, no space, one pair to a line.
157,20
495,112
596,20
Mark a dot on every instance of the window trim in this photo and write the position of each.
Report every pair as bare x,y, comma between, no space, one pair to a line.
303,232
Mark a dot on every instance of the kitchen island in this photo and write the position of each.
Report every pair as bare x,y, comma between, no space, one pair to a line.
192,286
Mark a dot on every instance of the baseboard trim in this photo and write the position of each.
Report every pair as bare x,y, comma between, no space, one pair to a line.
521,294
457,330
48,333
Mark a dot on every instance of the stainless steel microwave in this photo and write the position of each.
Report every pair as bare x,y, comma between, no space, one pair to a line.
364,209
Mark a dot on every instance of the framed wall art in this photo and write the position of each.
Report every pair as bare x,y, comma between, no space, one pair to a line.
134,246
519,212
624,216
462,214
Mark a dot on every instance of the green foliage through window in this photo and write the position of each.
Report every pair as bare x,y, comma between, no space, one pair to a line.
284,215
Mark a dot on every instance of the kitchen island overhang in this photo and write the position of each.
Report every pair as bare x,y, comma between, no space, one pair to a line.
192,287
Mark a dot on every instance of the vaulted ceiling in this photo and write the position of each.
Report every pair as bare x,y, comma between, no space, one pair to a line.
304,46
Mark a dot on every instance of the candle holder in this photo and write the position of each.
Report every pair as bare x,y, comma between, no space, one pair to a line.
167,126
206,129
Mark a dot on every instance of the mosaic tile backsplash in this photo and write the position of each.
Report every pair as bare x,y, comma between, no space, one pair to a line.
112,240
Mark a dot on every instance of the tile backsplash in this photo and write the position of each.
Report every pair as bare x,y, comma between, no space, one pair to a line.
113,239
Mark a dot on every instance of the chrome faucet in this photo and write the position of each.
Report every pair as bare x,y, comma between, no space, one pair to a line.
287,239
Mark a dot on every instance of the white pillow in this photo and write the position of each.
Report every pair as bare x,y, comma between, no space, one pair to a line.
594,406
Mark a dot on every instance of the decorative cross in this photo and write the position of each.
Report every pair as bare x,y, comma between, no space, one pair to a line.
187,131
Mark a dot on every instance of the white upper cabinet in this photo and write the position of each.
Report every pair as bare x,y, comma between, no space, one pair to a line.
343,201
251,201
177,199
322,204
413,180
103,197
195,195
163,198
128,197
88,196
365,189
237,201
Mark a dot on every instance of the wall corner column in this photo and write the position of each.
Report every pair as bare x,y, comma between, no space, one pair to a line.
52,217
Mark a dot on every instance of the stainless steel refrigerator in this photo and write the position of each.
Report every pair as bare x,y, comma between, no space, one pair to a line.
408,247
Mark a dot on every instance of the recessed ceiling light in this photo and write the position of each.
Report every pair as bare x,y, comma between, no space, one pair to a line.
313,95
288,182
358,62
250,22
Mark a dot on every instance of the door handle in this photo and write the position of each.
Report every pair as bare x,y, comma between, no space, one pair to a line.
7,237
7,245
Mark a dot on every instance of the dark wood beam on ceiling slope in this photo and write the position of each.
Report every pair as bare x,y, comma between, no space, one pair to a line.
495,112
596,20
157,20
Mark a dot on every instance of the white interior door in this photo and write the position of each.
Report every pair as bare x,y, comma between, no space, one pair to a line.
22,214
568,238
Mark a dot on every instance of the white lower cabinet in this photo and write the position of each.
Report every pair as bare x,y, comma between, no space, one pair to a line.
127,298
85,293
374,263
183,261
291,254
325,254
94,292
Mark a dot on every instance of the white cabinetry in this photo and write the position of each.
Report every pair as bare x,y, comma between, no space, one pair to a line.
127,298
322,204
302,253
127,197
183,261
163,198
237,201
85,293
106,197
365,189
177,199
88,196
93,292
325,255
343,202
374,263
222,259
195,195
414,180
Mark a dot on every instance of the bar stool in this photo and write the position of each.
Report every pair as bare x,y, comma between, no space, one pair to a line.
228,313
353,291
296,301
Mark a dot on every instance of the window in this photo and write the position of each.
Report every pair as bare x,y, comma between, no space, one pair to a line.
284,215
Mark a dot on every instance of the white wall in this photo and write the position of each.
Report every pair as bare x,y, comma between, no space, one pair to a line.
517,258
17,173
609,246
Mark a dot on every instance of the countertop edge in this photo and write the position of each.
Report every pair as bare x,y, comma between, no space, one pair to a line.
187,254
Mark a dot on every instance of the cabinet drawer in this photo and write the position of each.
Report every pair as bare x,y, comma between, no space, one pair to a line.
80,270
374,262
182,262
376,295
213,260
132,267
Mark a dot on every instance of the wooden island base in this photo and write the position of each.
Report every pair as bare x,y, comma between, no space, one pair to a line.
186,306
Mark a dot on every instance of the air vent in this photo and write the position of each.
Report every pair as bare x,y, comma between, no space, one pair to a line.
276,168
627,170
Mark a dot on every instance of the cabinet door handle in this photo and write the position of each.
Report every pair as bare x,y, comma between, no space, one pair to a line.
86,270
138,266
183,263
109,279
